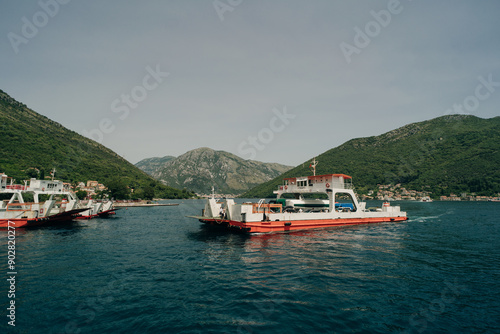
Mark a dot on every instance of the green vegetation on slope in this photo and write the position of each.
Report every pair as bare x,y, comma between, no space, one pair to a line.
31,142
153,165
456,153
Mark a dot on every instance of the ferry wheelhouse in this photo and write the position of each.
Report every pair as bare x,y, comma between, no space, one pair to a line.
294,210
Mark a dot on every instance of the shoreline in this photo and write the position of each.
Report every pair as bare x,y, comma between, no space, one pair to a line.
141,204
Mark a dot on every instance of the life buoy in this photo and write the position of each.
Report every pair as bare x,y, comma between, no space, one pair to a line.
286,187
328,185
43,189
41,211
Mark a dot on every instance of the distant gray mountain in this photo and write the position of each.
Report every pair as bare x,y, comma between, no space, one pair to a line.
153,165
200,169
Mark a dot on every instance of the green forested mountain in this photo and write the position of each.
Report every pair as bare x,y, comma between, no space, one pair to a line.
31,143
455,153
203,168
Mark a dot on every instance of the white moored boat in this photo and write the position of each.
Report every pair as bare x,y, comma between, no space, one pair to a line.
96,209
341,207
37,213
16,212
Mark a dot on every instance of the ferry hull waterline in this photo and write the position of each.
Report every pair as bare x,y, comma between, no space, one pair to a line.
22,222
296,225
290,211
59,218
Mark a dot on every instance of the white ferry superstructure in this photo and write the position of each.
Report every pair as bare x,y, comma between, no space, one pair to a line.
300,213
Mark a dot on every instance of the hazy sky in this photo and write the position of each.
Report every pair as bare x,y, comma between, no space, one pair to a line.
276,81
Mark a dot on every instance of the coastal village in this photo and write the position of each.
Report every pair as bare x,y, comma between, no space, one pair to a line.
385,192
91,187
389,192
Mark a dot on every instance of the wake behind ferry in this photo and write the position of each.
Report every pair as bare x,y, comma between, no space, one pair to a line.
339,207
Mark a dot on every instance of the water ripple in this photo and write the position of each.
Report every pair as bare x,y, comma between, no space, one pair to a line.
152,271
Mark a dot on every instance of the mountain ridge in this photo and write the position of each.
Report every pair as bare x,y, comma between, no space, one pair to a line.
152,165
201,168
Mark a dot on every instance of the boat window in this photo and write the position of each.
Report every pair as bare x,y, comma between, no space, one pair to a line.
344,202
302,183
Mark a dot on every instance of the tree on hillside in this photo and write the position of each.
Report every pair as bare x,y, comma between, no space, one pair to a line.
81,194
148,192
117,189
32,173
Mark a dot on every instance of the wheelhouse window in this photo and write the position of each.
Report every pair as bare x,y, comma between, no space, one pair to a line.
344,202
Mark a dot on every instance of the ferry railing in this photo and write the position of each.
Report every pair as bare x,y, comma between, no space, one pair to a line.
16,187
20,206
261,208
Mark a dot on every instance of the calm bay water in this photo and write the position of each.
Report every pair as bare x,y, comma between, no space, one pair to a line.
151,270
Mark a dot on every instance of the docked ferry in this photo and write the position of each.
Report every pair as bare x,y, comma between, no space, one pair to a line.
16,212
97,209
19,213
294,210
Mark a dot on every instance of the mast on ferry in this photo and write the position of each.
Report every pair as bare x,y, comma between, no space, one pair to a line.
313,166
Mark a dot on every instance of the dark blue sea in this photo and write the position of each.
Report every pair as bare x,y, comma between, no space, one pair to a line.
152,270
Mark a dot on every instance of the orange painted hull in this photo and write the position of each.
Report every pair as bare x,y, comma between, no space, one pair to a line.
23,222
33,222
294,225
